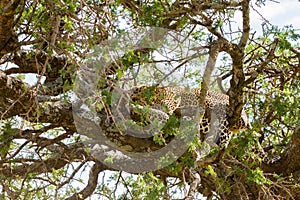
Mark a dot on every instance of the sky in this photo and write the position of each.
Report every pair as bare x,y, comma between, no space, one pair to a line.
284,13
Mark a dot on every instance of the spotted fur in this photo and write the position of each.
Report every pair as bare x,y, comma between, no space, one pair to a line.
170,99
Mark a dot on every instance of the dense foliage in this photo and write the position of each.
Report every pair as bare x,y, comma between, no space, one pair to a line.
211,44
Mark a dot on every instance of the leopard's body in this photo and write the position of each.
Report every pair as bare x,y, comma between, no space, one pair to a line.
170,99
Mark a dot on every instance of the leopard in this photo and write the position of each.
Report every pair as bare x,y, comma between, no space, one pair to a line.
168,100
165,101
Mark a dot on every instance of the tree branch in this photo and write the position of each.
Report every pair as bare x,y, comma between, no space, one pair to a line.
74,152
92,183
289,162
8,40
37,62
210,65
246,24
16,97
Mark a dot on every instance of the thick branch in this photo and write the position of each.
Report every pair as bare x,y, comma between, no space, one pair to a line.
235,92
34,61
293,151
38,62
7,39
73,153
210,65
16,97
59,113
290,159
246,24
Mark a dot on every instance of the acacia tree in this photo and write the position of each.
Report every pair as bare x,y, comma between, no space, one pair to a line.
42,152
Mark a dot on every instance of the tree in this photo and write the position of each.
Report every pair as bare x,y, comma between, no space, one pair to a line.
43,155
